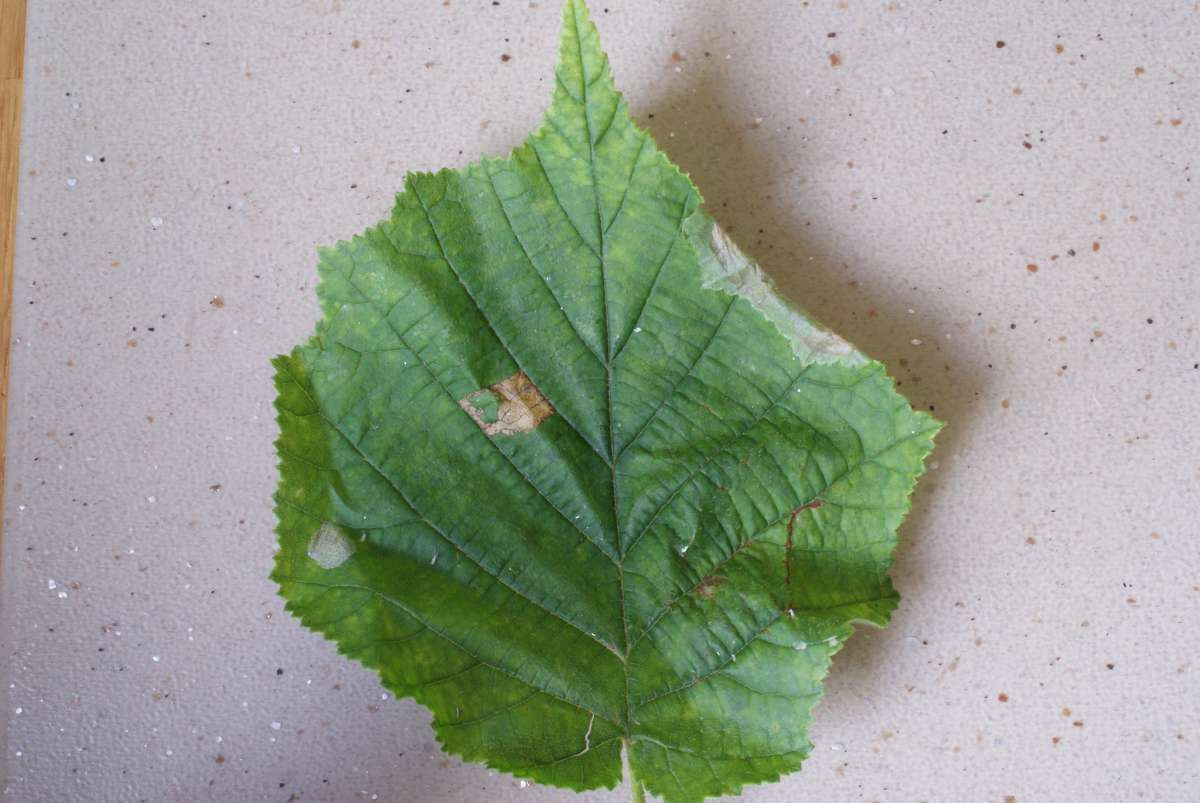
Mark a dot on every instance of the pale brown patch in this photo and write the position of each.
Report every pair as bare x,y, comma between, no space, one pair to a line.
708,586
835,60
522,406
217,302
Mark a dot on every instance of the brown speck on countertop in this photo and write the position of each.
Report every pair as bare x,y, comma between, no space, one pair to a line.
1054,740
220,759
1078,723
131,343
1004,403
1139,70
1095,247
1002,697
999,44
215,487
835,60
1027,145
1031,540
505,58
1059,48
676,57
1176,122
356,44
1032,267
217,302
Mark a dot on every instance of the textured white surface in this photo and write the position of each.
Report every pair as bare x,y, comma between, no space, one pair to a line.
177,153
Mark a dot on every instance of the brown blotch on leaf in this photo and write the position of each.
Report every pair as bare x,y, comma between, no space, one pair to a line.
522,406
709,585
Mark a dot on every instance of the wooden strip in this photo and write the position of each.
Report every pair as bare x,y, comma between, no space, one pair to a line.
12,61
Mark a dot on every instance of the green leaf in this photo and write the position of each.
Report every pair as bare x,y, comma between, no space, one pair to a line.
561,466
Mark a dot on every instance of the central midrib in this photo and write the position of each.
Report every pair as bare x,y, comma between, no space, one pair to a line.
602,235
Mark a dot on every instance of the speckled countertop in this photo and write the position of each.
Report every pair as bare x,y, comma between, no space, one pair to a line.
998,202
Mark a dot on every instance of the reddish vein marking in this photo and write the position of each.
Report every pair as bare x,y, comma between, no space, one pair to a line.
787,547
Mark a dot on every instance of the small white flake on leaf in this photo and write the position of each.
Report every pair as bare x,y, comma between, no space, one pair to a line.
329,547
